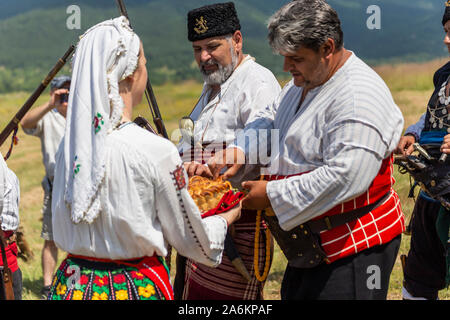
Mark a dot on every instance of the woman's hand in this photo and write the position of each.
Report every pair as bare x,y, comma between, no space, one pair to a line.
232,215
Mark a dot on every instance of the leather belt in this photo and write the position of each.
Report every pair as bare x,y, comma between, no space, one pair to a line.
337,220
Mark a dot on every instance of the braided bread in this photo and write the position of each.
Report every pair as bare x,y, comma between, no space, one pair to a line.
207,193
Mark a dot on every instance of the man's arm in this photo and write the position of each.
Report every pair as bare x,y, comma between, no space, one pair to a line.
32,117
411,136
352,158
416,129
255,137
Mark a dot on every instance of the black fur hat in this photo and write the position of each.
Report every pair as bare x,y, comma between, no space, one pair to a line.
212,21
446,16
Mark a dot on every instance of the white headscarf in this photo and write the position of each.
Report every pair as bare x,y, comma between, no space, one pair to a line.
106,54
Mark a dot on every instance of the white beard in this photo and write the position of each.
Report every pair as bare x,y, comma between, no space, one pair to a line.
222,73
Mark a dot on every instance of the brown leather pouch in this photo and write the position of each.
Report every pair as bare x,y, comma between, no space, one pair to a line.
300,246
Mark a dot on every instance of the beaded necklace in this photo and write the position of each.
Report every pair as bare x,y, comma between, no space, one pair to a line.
263,277
439,114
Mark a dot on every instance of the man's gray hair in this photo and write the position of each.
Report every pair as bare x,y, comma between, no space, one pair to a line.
304,23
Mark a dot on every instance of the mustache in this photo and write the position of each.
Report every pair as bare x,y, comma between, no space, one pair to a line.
209,63
295,72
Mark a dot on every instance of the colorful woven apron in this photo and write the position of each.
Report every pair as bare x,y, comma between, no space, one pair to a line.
87,278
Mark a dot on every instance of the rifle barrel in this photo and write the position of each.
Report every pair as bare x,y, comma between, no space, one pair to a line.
36,94
123,10
156,114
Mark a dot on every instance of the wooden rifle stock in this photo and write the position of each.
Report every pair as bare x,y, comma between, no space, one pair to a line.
13,124
149,94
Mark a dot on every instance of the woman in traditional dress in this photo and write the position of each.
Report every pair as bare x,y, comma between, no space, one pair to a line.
120,193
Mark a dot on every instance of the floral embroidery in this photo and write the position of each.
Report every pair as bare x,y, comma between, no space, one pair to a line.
120,278
147,292
98,122
101,281
122,295
137,275
178,175
76,167
84,279
97,296
127,283
77,295
61,289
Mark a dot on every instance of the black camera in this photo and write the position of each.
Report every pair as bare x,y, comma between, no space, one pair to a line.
64,97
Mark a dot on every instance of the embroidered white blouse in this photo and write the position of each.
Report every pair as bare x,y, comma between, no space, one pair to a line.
340,136
145,206
9,198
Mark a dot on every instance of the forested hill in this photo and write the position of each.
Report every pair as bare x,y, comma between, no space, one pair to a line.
34,34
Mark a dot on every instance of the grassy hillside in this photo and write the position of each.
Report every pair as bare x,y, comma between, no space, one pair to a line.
410,93
34,34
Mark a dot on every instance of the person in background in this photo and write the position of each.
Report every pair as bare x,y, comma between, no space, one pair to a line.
47,122
426,266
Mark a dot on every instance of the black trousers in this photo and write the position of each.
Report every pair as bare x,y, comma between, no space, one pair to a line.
363,276
425,267
17,285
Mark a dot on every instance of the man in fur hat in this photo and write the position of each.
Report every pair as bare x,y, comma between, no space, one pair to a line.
235,90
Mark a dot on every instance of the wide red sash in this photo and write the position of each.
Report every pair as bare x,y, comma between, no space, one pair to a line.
379,226
379,187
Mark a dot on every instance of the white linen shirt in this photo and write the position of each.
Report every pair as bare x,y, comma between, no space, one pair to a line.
143,208
246,95
9,198
340,135
50,129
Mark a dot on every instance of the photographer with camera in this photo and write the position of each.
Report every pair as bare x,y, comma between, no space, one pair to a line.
48,123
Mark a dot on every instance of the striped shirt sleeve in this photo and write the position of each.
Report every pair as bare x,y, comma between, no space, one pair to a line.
348,170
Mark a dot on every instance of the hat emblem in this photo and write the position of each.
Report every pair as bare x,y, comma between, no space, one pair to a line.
201,26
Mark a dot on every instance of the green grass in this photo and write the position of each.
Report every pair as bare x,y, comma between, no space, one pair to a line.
176,101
